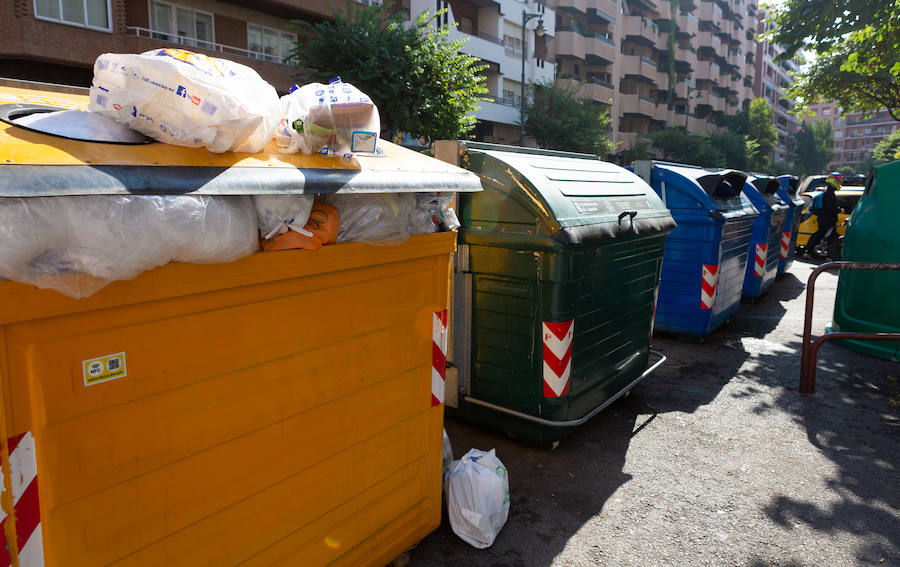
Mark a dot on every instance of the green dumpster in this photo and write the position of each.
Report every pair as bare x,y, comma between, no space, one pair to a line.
868,301
556,277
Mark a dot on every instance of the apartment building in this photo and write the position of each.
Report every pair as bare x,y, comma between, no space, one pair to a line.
659,62
771,80
855,135
493,31
58,40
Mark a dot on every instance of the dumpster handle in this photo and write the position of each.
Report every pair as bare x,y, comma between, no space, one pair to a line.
573,422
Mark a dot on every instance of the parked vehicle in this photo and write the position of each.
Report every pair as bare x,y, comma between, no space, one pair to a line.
847,198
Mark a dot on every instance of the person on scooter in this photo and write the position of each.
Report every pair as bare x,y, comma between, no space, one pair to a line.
827,215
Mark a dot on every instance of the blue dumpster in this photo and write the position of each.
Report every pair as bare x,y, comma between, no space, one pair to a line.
762,262
706,254
787,191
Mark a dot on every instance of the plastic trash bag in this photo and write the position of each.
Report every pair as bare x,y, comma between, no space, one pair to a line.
446,457
278,214
478,497
77,245
433,213
321,228
333,119
186,99
378,218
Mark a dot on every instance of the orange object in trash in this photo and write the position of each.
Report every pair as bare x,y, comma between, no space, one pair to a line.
324,222
322,226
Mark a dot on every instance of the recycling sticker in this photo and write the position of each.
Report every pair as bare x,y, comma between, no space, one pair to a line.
104,368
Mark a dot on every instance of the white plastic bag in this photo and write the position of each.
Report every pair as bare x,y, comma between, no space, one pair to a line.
478,497
333,119
377,218
279,213
446,457
77,245
186,99
433,213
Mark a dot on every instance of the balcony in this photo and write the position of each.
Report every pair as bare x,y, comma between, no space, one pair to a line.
637,104
688,23
640,67
709,12
708,39
640,29
598,90
569,44
572,5
597,48
276,70
706,71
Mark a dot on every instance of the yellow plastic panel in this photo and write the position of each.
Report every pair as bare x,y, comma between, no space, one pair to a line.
276,410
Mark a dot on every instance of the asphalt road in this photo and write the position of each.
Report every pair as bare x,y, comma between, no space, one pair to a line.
714,460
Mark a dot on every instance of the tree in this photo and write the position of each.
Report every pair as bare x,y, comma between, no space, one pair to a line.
888,149
815,146
846,170
558,118
680,146
421,81
640,150
732,146
857,49
761,129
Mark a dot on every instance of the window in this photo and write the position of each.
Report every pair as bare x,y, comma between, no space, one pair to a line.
269,44
177,24
826,112
94,14
838,133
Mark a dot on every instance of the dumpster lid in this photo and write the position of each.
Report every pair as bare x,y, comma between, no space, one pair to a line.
762,190
581,198
35,164
718,190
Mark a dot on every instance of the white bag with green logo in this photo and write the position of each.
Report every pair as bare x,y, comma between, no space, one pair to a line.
478,497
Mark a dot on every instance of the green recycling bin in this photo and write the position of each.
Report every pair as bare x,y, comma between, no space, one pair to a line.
555,287
868,301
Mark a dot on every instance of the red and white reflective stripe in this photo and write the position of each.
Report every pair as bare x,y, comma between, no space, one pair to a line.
23,469
760,267
438,357
557,357
785,244
708,286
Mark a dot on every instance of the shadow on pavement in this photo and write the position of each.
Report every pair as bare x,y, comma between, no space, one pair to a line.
555,493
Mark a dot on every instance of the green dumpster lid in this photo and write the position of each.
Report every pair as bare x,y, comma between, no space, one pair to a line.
576,197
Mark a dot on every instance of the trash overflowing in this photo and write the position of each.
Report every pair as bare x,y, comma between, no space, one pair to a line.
477,497
77,244
333,119
186,99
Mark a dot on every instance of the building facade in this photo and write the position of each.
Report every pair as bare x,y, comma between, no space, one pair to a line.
659,62
771,81
58,40
855,135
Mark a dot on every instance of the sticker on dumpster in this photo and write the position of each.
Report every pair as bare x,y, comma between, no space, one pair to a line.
104,369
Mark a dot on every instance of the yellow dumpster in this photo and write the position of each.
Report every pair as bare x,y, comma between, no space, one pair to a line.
278,410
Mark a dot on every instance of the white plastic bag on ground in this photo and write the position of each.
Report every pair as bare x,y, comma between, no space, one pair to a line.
433,213
478,497
279,213
77,245
333,119
187,99
377,218
446,457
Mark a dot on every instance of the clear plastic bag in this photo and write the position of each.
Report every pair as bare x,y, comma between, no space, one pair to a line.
378,218
433,213
77,245
333,119
446,457
278,214
478,497
186,99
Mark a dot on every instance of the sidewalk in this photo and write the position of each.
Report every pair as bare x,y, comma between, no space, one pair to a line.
714,460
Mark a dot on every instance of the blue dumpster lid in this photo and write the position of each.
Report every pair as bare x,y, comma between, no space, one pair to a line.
577,197
715,190
762,191
788,190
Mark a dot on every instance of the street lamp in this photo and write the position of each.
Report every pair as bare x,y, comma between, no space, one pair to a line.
538,32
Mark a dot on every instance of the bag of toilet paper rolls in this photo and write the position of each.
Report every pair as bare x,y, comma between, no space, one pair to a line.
186,99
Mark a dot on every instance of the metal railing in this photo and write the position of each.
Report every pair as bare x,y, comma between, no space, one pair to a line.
809,348
207,45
